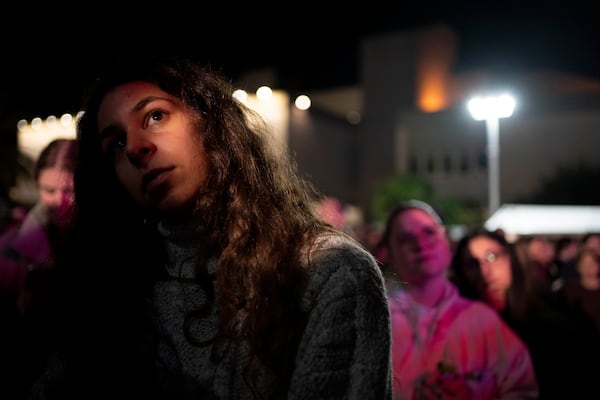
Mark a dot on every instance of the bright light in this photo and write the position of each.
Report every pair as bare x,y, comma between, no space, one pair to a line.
36,123
302,102
33,137
51,121
275,111
241,96
491,107
66,120
264,93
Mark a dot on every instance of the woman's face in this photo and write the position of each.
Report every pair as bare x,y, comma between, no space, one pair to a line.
541,250
152,140
588,265
55,187
494,263
418,248
593,243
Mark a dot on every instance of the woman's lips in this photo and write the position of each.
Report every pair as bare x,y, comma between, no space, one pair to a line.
155,178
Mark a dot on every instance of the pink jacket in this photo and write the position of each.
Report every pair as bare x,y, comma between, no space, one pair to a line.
460,349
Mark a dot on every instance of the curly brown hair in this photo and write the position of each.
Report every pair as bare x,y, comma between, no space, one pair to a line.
254,214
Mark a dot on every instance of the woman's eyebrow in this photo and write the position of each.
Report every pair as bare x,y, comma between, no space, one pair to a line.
110,129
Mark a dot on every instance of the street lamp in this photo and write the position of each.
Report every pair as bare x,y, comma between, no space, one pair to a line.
491,109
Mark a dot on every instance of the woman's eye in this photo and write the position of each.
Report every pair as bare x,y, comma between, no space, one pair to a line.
490,257
115,144
119,143
430,231
156,115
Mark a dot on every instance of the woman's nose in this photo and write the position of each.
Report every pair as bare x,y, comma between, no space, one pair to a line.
139,149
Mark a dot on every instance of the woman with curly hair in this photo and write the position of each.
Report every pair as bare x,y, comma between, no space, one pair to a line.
199,268
486,267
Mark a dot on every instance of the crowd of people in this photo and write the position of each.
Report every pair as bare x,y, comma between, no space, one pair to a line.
173,254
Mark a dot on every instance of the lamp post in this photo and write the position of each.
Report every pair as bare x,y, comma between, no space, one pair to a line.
491,109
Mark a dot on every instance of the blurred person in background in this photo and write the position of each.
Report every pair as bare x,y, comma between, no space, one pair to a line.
583,294
202,270
485,267
566,249
41,232
444,346
332,211
591,241
537,253
28,250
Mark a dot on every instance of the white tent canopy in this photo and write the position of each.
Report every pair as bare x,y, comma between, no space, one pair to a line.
530,219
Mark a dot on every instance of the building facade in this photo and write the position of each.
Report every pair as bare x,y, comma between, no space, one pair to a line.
415,121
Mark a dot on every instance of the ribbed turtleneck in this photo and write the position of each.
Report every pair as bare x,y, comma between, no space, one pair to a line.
180,248
175,299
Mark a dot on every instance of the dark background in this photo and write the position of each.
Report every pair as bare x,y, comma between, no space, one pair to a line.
51,52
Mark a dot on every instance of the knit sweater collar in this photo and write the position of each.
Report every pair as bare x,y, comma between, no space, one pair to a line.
180,248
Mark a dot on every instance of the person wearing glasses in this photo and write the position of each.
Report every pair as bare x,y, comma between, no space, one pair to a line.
444,346
485,267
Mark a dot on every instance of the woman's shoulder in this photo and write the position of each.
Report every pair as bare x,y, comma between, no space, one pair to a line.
340,252
336,260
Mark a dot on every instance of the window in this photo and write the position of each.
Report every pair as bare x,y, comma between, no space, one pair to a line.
447,164
430,164
413,165
482,160
464,163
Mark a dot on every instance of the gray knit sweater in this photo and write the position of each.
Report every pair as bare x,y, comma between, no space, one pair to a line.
344,351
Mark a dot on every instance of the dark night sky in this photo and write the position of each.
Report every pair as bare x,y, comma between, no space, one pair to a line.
37,81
